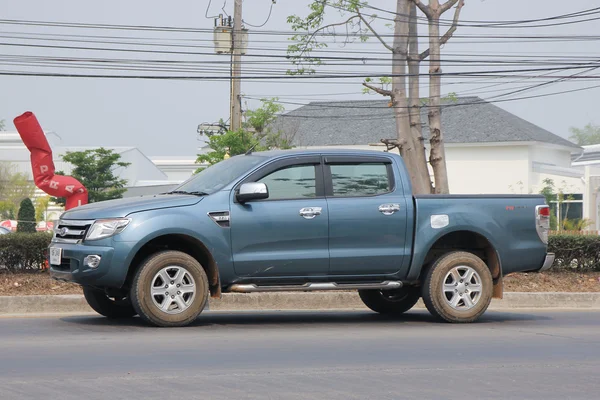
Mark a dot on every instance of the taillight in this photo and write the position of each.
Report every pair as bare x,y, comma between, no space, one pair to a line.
542,222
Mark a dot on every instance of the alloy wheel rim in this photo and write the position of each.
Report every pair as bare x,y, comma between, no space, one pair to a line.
462,288
173,289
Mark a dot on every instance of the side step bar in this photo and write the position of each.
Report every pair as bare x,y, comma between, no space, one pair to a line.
308,287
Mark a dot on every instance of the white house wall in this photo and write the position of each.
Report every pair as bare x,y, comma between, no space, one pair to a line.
549,162
487,169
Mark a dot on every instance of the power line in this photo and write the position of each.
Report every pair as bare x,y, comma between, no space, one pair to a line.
494,23
267,20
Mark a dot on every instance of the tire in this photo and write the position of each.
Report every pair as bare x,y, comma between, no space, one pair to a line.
391,302
463,303
187,293
110,308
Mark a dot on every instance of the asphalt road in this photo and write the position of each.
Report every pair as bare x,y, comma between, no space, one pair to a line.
304,355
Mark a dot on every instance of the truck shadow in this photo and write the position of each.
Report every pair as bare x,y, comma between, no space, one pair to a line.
262,319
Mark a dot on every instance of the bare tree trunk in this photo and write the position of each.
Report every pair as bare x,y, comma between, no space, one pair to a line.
437,156
419,175
416,129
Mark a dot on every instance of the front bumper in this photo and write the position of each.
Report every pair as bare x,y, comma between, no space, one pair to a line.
547,262
111,271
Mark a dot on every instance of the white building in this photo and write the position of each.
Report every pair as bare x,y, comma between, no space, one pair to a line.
177,169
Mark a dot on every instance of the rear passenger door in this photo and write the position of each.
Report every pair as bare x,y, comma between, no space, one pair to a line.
368,227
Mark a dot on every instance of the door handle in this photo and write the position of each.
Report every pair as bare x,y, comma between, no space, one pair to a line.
389,209
310,212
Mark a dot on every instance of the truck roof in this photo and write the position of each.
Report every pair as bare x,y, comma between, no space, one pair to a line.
296,151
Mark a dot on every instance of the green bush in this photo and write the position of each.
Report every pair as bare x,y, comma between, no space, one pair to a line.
24,252
575,252
26,217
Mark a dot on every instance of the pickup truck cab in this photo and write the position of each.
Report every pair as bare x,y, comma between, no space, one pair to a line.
299,220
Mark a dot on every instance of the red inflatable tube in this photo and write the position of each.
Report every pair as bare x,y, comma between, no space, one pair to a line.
43,167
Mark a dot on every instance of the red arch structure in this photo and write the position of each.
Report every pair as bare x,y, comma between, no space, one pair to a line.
43,167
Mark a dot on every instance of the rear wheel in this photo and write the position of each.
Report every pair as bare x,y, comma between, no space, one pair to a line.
458,287
395,301
120,307
170,289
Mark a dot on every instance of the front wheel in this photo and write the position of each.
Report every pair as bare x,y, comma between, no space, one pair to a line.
109,307
170,289
458,287
393,302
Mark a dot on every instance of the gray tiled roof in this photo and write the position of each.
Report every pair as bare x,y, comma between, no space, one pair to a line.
464,120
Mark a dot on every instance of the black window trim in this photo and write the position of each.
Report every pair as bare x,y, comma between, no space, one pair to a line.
355,160
289,162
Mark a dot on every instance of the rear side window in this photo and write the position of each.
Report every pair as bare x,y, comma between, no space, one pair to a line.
355,180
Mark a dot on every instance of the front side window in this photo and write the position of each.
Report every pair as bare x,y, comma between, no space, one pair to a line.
355,180
294,182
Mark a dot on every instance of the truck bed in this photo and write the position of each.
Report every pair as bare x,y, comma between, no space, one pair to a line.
508,222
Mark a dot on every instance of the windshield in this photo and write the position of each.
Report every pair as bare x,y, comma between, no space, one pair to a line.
217,176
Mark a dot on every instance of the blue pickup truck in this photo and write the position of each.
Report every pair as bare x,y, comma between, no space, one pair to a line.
299,220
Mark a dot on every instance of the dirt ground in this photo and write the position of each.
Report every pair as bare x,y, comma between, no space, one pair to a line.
41,283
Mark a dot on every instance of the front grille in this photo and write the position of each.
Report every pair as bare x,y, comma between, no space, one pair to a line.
71,231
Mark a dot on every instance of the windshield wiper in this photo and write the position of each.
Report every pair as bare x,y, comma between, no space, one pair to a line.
195,193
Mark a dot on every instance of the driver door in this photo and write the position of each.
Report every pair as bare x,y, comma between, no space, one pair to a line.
287,233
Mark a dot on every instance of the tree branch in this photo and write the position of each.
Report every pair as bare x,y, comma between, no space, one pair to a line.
450,31
378,90
426,10
363,19
446,6
321,29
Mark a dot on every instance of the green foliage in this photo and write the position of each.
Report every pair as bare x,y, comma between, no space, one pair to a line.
14,187
7,210
26,217
257,134
95,170
41,206
588,135
451,97
2,125
312,27
548,190
575,224
232,143
262,117
556,198
384,82
575,252
24,252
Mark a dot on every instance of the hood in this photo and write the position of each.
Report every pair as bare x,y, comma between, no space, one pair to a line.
123,207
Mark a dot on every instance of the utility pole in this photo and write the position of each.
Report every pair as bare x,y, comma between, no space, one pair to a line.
236,43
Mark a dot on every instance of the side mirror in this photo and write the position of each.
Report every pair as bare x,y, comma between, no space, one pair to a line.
252,191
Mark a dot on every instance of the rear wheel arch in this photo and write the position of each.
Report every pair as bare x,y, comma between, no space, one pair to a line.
178,242
472,242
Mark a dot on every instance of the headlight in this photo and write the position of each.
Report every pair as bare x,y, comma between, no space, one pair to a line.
104,228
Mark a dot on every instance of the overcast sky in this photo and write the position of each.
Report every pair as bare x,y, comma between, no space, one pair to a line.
160,116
